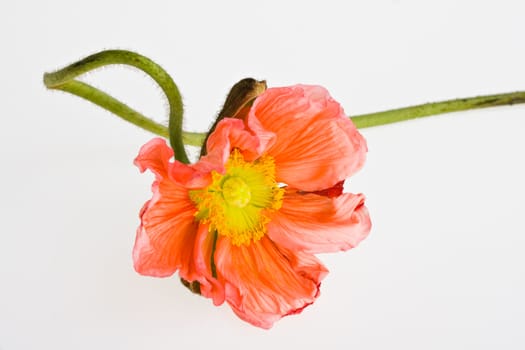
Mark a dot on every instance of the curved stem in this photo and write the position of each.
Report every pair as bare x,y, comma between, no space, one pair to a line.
122,110
429,109
113,105
64,80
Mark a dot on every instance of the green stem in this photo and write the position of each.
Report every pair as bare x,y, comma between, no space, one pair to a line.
102,99
429,109
64,79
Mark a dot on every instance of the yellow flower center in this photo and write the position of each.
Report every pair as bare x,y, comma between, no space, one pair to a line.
237,203
236,192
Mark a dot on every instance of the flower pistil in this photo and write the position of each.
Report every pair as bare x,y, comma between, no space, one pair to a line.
237,202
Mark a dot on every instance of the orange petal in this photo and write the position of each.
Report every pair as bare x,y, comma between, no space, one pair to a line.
314,144
155,155
167,226
319,224
167,230
230,133
264,282
203,249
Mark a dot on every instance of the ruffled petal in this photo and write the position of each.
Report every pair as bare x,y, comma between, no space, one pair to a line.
264,282
230,133
318,224
167,230
168,226
155,155
314,144
203,262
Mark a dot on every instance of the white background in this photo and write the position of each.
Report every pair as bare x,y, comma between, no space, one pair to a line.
444,266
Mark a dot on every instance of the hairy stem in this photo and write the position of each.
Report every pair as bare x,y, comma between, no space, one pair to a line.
64,79
113,105
434,108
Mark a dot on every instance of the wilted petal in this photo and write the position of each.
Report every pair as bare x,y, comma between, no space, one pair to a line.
314,144
230,133
203,261
155,155
167,236
167,229
319,224
264,282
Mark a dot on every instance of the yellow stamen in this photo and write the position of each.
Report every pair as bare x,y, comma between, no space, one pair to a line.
237,202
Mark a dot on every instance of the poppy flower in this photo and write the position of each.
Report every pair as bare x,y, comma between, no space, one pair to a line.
246,220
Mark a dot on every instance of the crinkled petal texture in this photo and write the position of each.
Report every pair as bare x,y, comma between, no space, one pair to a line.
314,144
314,147
264,282
168,238
229,133
319,224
